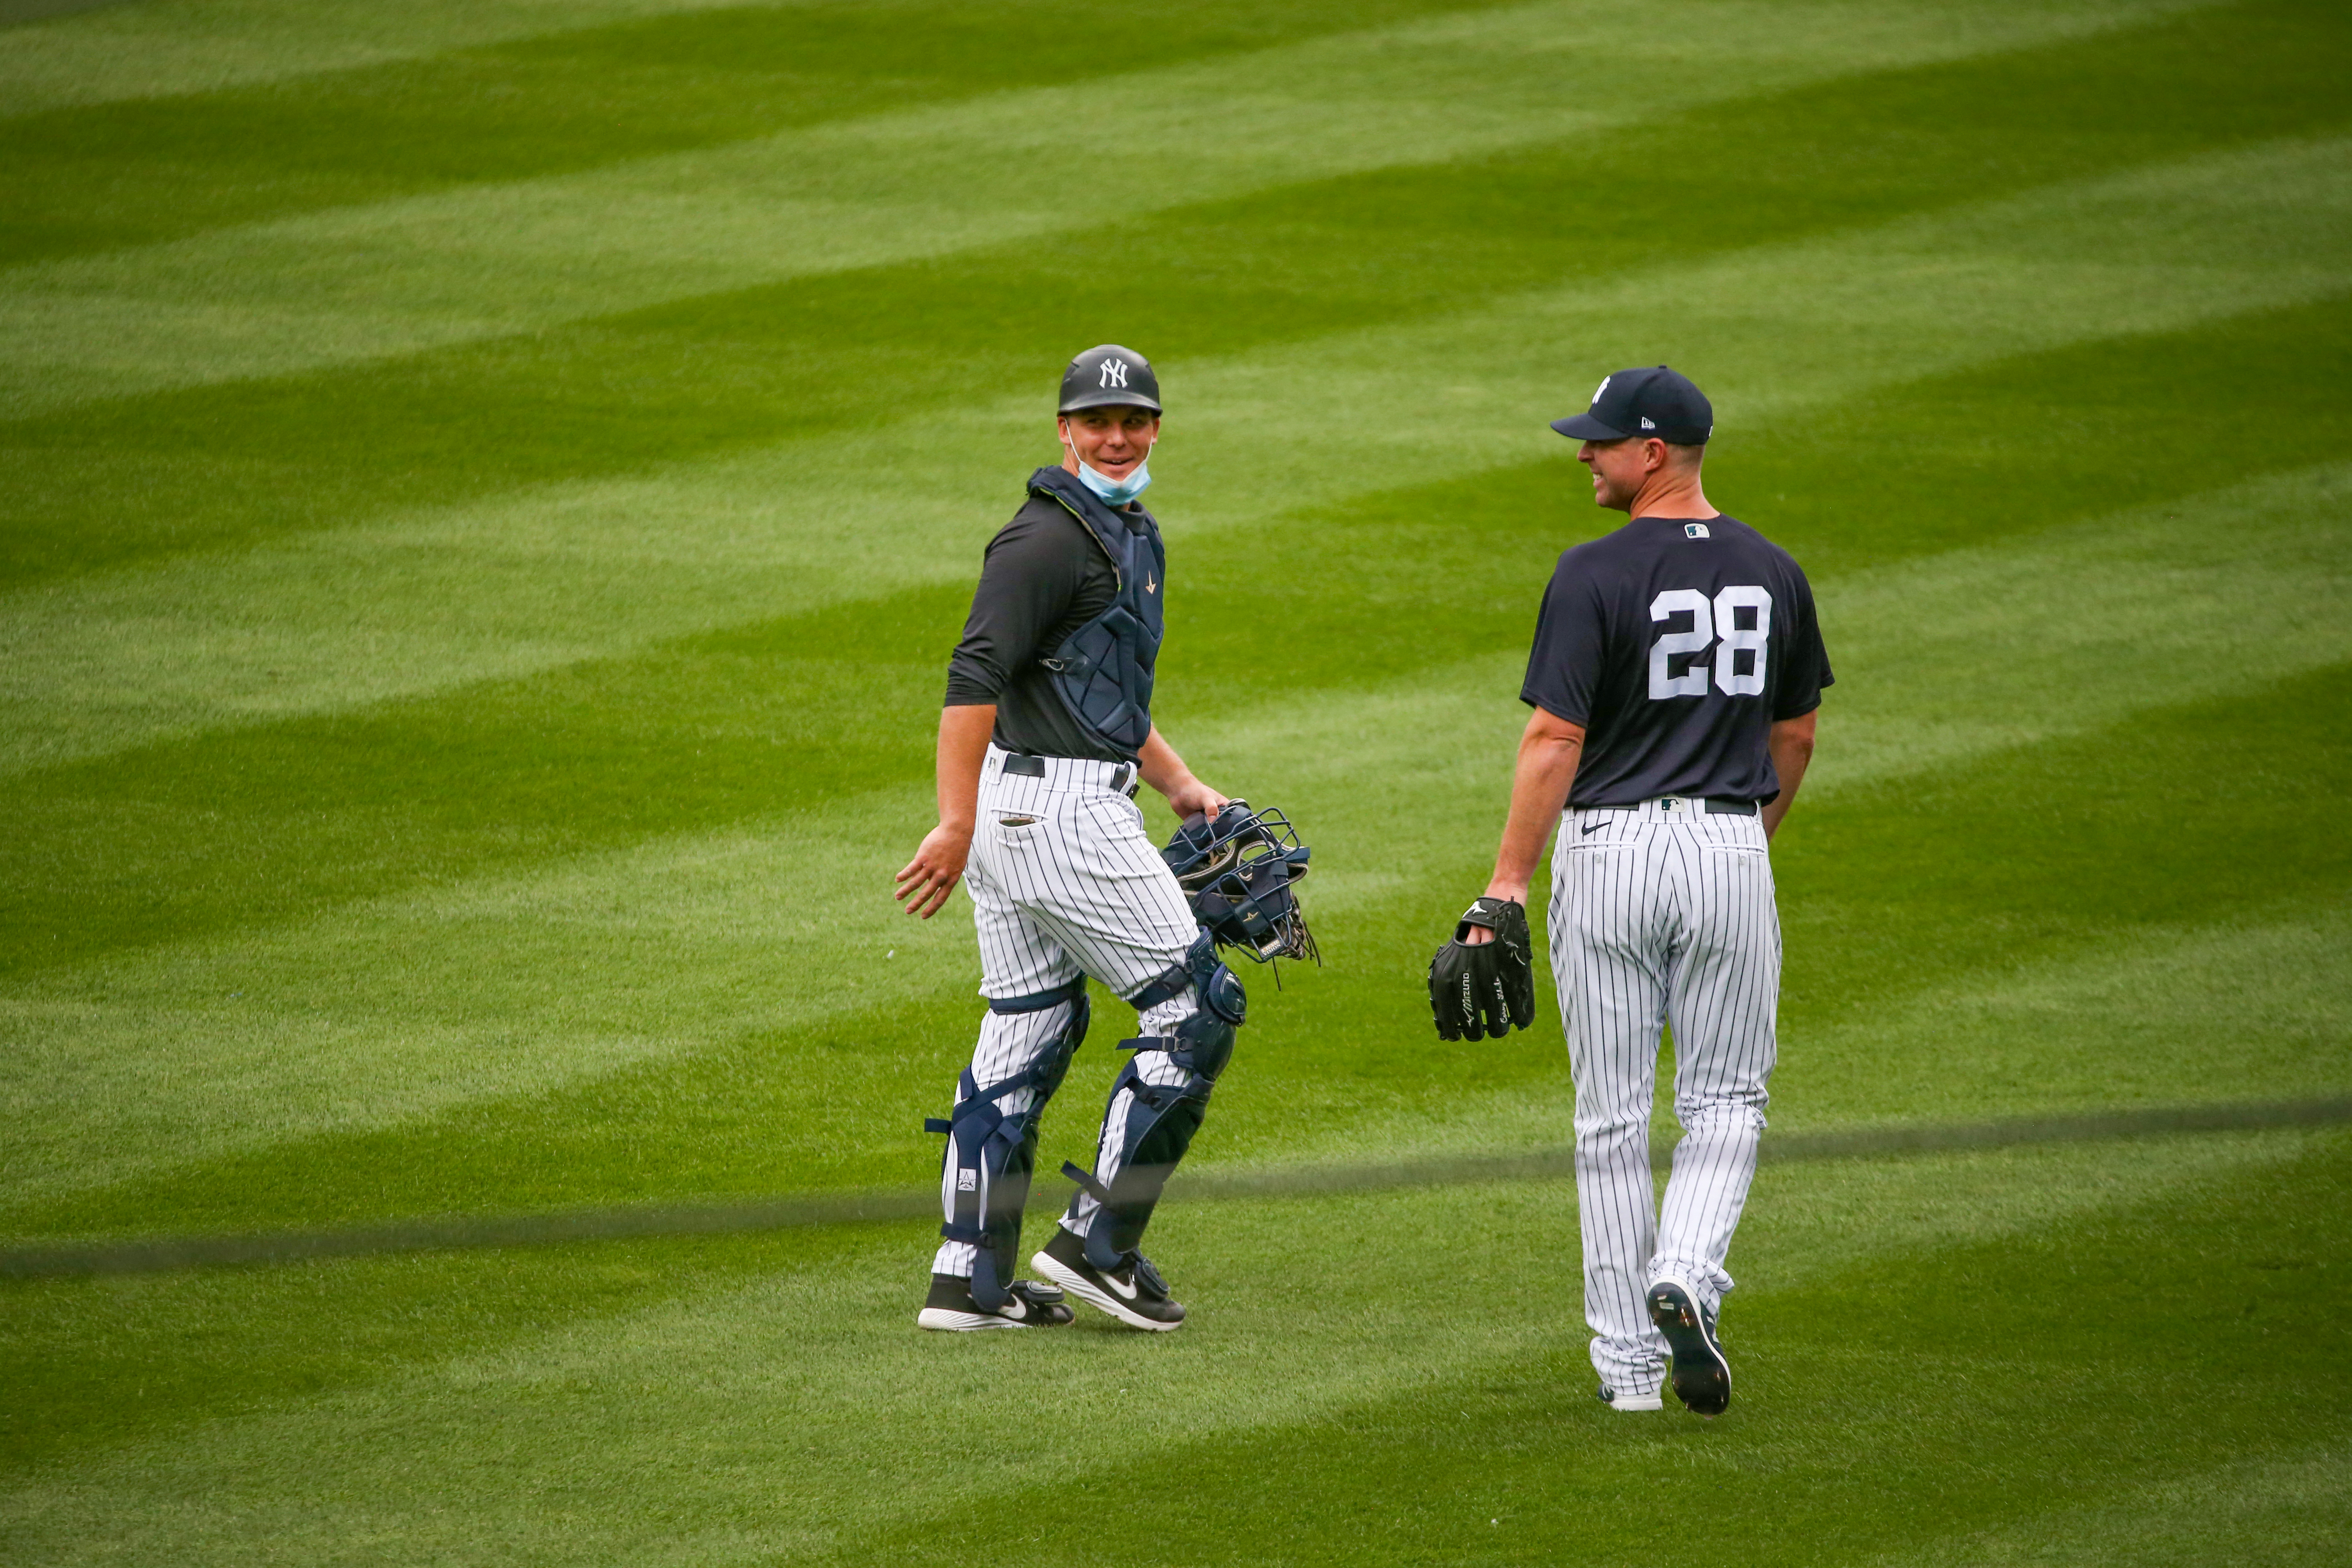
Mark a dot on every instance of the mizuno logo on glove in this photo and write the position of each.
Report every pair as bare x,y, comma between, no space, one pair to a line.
1487,989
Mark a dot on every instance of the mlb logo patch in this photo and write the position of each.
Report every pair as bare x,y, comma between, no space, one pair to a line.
1695,530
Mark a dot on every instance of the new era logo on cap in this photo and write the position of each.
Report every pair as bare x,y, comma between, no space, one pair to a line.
1650,400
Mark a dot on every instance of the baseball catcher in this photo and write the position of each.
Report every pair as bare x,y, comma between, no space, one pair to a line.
1045,735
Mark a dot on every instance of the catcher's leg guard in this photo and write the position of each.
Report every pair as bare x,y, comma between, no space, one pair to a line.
991,1153
1160,1119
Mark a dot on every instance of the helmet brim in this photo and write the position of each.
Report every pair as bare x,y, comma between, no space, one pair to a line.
1108,398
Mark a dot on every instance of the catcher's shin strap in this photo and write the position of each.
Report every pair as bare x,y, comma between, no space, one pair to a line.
1038,1001
1168,983
1085,1179
969,1106
1161,1095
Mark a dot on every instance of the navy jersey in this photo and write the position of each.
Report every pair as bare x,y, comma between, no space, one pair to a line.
1676,644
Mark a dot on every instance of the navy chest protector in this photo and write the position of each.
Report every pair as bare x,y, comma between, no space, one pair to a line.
1103,671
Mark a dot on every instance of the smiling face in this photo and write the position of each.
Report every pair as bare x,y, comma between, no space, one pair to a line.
1112,440
1621,468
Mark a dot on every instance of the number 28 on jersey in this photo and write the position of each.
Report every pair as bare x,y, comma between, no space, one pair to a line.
1740,616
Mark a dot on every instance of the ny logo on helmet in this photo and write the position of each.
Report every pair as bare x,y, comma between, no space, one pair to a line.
1114,372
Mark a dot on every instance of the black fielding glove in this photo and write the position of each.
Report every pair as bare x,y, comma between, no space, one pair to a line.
1489,989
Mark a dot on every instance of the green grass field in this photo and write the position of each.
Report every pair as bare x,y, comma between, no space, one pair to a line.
486,491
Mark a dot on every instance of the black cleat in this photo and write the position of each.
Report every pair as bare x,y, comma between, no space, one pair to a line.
950,1306
1701,1378
1133,1293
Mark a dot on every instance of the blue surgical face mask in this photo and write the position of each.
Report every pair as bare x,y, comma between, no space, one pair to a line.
1114,492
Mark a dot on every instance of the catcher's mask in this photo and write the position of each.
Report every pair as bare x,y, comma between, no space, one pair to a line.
1240,873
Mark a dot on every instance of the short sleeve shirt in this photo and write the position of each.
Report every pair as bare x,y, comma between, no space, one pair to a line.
1043,578
1677,644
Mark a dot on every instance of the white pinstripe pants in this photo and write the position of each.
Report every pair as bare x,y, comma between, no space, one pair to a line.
1662,914
1063,881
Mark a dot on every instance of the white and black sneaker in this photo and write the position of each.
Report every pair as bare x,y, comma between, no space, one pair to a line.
950,1306
1626,1399
1701,1378
1133,1293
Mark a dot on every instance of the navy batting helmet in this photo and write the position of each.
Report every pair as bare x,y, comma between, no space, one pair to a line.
1109,374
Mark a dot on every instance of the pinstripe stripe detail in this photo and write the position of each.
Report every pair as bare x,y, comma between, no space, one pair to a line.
1661,915
1080,890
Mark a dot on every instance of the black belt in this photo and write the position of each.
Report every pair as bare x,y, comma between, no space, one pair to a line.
1713,807
1122,782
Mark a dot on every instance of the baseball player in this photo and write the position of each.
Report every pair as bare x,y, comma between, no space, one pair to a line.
1047,730
1676,671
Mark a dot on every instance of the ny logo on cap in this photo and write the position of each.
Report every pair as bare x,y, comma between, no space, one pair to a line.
1114,372
1602,387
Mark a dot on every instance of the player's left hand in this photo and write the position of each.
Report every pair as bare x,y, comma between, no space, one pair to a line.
1478,989
1193,798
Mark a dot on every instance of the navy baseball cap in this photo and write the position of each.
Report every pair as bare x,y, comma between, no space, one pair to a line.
1108,375
1650,400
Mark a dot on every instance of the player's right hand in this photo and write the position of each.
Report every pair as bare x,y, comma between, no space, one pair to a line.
925,882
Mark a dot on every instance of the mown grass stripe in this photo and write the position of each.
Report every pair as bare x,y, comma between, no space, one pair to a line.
160,1254
495,591
137,51
118,174
400,277
202,468
14,13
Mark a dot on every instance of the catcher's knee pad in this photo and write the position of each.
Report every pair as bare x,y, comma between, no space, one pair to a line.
1160,1121
1218,987
992,1152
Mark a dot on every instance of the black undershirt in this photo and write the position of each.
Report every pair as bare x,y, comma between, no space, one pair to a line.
1044,577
